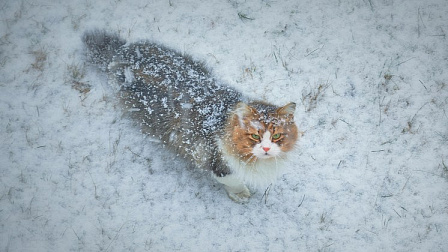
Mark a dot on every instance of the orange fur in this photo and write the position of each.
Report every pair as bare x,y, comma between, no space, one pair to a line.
242,126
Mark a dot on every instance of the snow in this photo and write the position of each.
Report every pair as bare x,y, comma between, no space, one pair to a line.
370,172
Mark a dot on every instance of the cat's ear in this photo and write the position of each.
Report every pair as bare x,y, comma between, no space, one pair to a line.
287,110
243,110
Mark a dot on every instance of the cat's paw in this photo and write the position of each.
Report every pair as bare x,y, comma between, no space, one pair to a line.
239,197
236,190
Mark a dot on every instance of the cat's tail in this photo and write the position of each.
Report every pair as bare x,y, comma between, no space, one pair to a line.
101,46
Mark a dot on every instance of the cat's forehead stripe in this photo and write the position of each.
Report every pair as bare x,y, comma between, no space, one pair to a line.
270,119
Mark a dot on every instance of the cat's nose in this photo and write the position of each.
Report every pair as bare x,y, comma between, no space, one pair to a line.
266,149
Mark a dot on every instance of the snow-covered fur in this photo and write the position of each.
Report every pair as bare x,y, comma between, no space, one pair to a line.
178,101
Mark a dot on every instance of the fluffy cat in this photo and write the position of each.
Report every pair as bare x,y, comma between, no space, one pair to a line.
210,124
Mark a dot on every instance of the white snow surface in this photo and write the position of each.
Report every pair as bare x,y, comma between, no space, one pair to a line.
370,79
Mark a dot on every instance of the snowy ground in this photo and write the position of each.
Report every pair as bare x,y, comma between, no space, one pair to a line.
370,78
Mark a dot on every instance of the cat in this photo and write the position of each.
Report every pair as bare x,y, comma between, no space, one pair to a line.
178,101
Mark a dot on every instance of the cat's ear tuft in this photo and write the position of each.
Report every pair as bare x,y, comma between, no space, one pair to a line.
287,110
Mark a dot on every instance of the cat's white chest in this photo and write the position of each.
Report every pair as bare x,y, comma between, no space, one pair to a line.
261,173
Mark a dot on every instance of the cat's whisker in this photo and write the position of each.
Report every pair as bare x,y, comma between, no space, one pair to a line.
252,157
281,157
277,159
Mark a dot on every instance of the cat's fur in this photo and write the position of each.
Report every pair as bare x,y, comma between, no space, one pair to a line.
213,126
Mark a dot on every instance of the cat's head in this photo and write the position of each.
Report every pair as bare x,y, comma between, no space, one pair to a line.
261,131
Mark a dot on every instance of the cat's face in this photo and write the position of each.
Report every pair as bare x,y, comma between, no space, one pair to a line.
260,131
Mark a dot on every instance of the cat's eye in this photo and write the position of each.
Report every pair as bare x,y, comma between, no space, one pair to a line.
255,136
276,136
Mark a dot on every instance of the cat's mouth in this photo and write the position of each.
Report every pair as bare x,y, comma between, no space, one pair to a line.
265,156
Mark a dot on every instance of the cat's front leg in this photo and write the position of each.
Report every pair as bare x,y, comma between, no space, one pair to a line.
236,190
